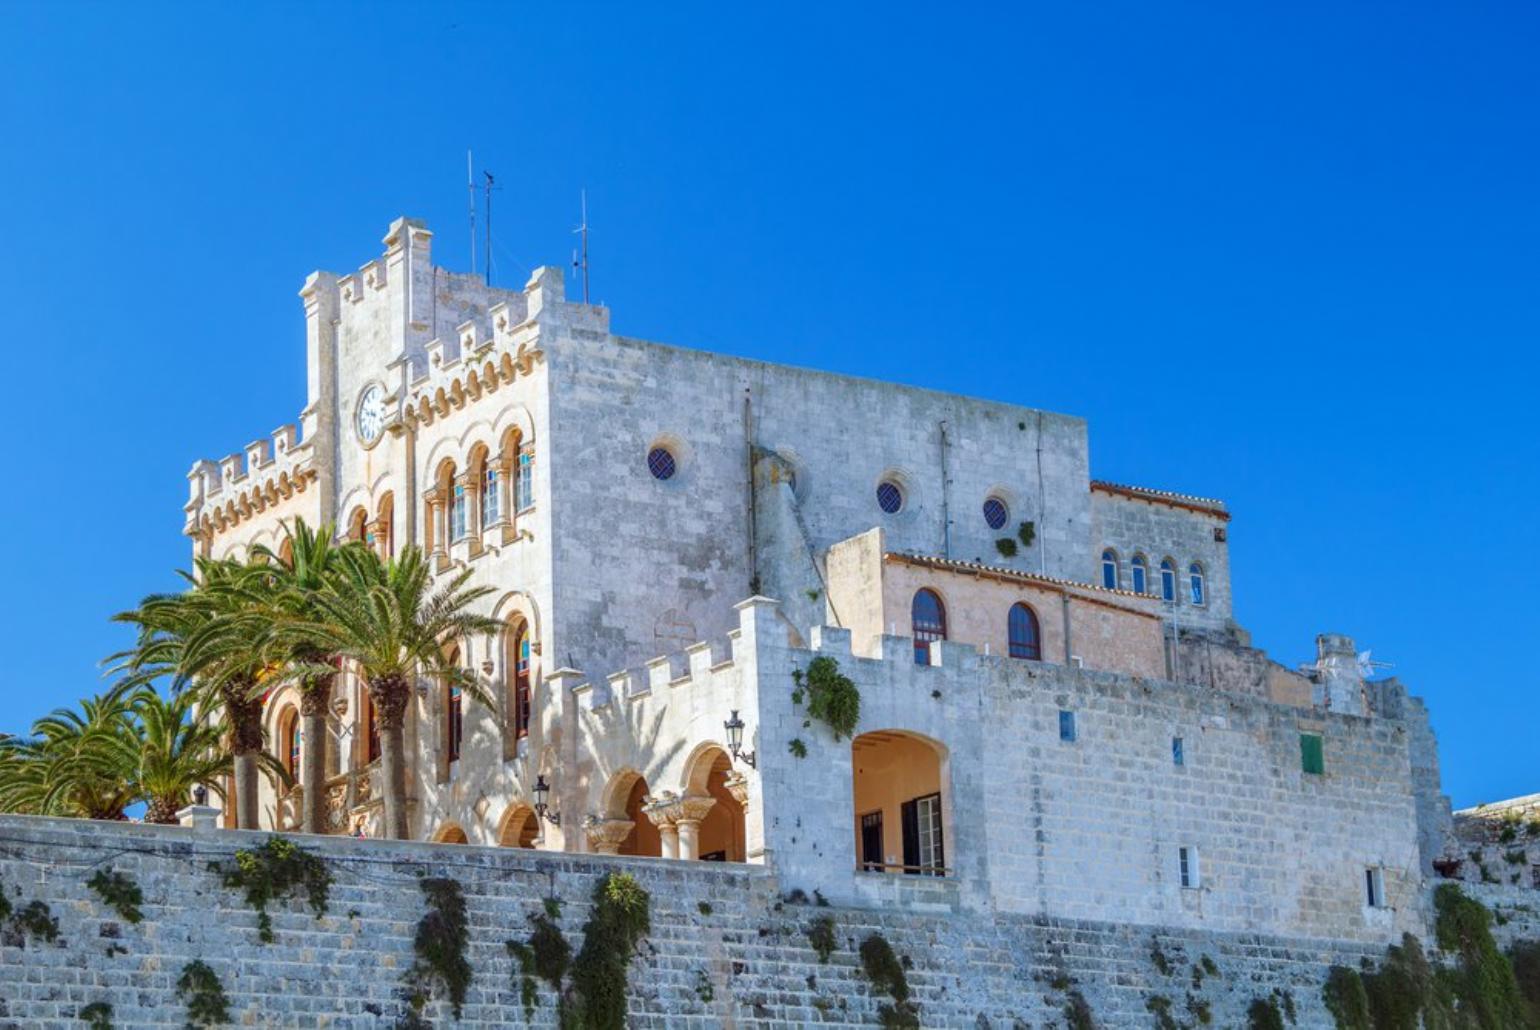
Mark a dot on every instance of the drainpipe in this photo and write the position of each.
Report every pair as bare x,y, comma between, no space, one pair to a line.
946,516
748,446
1069,646
1042,511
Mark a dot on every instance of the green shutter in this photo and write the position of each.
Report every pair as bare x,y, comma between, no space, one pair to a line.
1312,758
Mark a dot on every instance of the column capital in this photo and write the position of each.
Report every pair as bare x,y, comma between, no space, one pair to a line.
605,836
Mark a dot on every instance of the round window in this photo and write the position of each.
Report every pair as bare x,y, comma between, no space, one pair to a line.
890,497
660,462
996,513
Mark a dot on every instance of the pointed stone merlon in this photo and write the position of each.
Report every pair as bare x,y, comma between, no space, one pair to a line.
544,291
1341,685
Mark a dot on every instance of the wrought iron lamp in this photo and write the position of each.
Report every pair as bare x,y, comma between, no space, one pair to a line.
542,795
734,728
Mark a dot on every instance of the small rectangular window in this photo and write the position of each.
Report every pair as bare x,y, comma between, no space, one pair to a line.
1177,756
1187,866
1066,725
1374,887
1312,756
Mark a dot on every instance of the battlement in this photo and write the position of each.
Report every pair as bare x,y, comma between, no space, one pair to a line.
268,471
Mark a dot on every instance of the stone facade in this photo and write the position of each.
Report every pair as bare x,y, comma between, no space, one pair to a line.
1132,760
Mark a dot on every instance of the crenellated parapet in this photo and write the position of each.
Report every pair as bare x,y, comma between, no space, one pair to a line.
267,472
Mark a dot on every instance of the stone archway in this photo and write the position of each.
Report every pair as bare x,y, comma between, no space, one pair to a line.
902,811
450,833
716,797
520,828
624,829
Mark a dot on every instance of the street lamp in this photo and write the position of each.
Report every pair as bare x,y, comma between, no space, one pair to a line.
542,794
734,728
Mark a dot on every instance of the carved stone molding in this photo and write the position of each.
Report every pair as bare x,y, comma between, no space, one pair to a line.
605,836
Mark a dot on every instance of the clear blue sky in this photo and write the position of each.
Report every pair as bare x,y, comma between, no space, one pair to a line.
1283,257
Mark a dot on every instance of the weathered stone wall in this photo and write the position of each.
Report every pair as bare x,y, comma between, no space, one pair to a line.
723,951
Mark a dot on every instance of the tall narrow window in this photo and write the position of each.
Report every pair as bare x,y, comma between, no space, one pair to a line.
491,495
521,681
1140,569
1021,627
1374,888
454,713
1168,580
872,858
290,736
1195,576
1178,752
457,513
929,618
525,493
1066,726
1110,569
1187,866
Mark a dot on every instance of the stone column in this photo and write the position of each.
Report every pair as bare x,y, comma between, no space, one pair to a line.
664,812
437,523
691,811
473,526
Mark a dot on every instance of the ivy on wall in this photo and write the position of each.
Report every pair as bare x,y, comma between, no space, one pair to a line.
831,696
620,918
278,867
442,934
119,891
202,992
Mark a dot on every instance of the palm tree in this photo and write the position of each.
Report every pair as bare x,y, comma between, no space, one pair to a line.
176,749
387,618
300,573
217,640
73,763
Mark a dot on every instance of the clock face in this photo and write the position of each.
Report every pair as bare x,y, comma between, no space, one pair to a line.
371,414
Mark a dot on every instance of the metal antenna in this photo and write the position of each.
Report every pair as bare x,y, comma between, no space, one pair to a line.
470,186
489,226
582,263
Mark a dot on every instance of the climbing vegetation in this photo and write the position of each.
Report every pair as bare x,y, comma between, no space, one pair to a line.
277,868
886,973
442,934
620,918
96,1016
203,994
831,696
820,934
119,891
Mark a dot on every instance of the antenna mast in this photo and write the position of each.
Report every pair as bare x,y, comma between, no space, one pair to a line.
582,263
470,187
489,227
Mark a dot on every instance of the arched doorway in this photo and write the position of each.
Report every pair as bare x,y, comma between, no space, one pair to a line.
901,813
450,833
520,828
722,833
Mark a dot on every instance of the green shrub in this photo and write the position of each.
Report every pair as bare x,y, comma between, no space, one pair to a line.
820,934
883,968
1525,958
1077,1013
1159,1006
96,1016
1006,546
118,891
1264,1015
203,994
832,697
1345,999
36,919
1484,982
278,867
1026,533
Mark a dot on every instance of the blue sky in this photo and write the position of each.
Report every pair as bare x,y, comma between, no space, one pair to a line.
1286,257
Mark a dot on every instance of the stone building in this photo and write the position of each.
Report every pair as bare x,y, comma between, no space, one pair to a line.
1060,716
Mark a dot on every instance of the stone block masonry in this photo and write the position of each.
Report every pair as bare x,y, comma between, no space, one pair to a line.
725,949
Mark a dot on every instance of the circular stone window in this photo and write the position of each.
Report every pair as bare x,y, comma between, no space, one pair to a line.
661,463
996,513
890,497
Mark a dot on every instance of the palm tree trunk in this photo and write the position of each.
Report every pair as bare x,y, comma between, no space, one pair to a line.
390,696
245,715
162,811
312,710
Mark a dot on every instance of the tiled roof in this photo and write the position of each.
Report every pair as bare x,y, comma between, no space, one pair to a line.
1000,571
1207,505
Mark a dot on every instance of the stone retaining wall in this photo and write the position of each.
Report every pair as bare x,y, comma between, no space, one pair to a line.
725,949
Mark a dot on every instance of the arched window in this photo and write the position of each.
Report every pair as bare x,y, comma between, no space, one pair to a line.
1025,640
358,523
290,739
1168,580
520,693
1195,577
454,713
386,519
524,493
1110,569
491,494
1140,569
929,618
